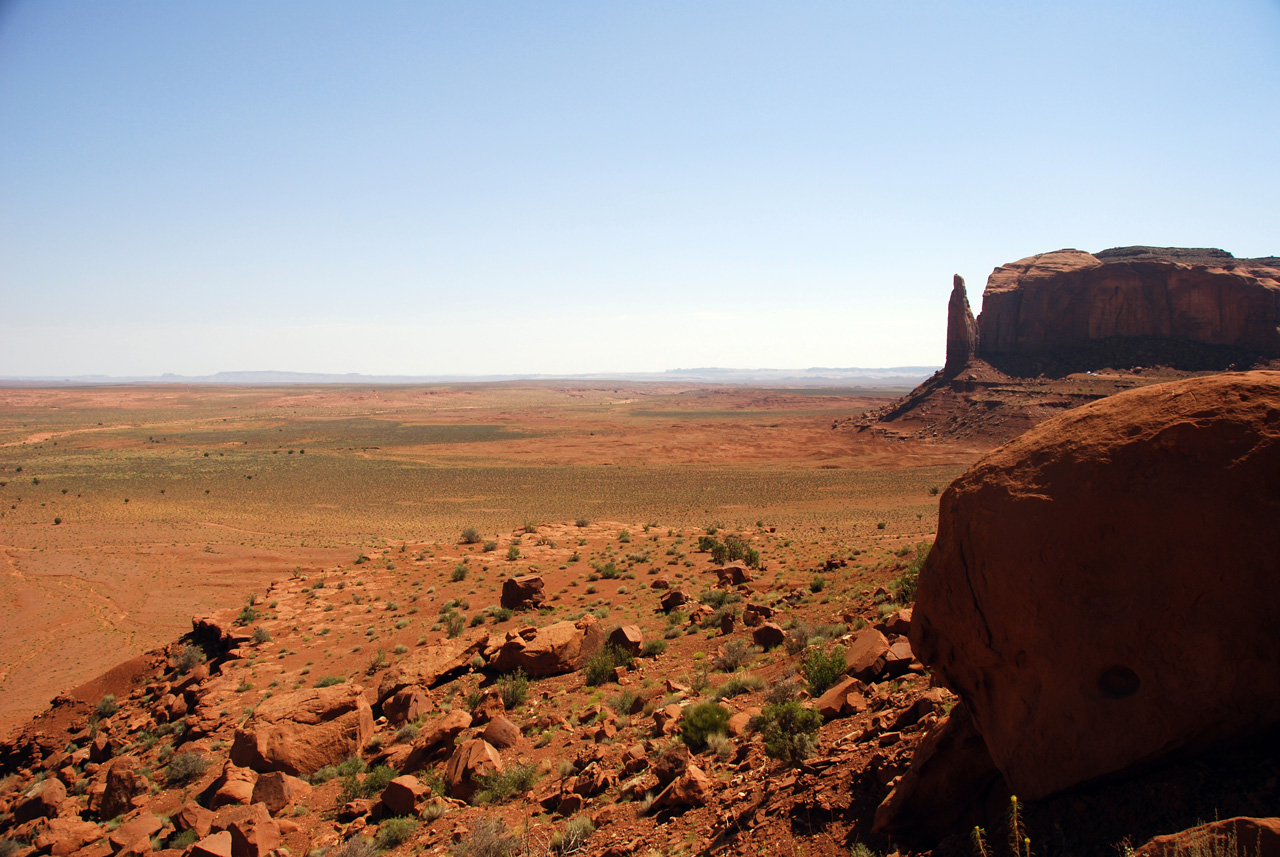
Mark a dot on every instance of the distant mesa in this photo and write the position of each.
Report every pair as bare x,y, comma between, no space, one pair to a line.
1060,329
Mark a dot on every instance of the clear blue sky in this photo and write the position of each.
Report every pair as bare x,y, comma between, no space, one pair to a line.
472,187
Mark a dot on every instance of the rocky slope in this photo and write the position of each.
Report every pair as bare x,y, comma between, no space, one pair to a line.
1061,329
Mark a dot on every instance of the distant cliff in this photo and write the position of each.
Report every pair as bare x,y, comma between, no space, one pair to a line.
1058,330
1188,309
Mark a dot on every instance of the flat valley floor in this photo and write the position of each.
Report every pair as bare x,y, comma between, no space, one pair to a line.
124,511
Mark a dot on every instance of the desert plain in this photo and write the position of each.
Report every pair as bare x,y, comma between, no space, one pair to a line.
125,511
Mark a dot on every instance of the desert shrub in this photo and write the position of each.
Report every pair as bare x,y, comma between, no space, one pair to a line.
489,546
107,706
261,635
356,846
822,668
599,667
182,841
783,689
788,730
459,572
818,584
489,837
470,536
574,836
719,744
581,522
798,637
735,655
752,557
702,720
717,598
373,783
393,832
706,543
184,767
513,553
454,623
719,553
504,785
624,536
609,571
247,615
187,657
904,585
734,547
378,662
405,734
513,688
501,614
330,681
653,648
738,685
623,702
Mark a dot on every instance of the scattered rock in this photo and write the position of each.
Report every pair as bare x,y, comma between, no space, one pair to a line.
734,574
503,734
255,834
673,599
754,615
406,705
628,638
40,801
234,786
472,760
403,795
302,731
867,654
435,738
215,845
555,649
1233,837
768,636
124,782
523,593
278,790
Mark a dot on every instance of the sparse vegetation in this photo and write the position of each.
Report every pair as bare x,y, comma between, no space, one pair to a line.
701,720
513,688
822,668
470,536
504,785
789,731
186,766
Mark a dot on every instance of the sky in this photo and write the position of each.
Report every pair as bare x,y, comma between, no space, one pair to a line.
481,188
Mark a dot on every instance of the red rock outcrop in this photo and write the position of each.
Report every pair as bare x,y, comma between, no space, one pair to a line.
1072,595
302,731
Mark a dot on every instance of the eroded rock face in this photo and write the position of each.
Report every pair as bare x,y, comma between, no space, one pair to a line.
1071,595
1069,300
303,731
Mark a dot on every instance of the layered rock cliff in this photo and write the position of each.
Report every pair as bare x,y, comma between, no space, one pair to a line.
1187,309
1058,330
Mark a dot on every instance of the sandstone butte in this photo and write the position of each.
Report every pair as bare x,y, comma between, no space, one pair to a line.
1060,329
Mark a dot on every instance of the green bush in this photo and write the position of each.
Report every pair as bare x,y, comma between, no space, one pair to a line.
186,766
823,668
187,657
459,572
735,655
599,667
470,536
261,635
330,681
514,689
182,841
789,731
489,547
393,832
574,836
247,616
107,706
904,585
702,720
454,622
818,584
653,648
489,837
504,785
513,553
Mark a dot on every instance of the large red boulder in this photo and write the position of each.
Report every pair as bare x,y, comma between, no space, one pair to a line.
303,731
555,649
1074,595
523,593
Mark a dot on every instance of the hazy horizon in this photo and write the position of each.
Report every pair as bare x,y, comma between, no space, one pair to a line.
570,188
